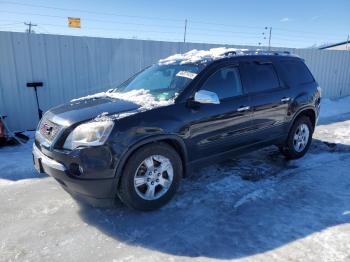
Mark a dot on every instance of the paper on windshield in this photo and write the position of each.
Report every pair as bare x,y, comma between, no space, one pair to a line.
186,74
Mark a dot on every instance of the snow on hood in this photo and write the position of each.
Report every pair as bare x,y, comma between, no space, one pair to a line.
200,56
141,97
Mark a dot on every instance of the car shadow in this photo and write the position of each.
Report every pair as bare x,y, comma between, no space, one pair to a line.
241,207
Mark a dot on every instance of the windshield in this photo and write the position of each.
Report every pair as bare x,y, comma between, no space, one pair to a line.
162,81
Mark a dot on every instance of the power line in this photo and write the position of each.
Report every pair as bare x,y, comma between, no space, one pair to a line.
199,36
224,25
11,24
238,34
193,40
155,31
116,30
128,23
123,15
129,16
141,30
87,19
90,12
44,29
100,28
247,34
225,31
151,18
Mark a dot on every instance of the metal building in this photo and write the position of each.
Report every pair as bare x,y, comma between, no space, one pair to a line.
71,66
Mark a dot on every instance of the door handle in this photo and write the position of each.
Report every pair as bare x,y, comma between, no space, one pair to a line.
285,99
243,108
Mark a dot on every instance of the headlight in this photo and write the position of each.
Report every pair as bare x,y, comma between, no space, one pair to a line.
89,134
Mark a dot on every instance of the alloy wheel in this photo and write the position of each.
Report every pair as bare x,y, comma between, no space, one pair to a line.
301,137
153,177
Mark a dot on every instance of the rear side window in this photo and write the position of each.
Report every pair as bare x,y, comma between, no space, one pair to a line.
261,77
297,71
225,82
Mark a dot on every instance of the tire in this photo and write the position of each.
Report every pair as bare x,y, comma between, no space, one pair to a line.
154,188
292,149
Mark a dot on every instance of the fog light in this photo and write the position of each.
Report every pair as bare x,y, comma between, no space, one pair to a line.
75,169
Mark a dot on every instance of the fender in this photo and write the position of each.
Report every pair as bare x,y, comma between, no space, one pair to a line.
147,140
299,111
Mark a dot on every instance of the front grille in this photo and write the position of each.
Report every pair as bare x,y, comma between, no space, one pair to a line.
49,130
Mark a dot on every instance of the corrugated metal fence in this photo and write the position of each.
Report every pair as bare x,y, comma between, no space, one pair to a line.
72,66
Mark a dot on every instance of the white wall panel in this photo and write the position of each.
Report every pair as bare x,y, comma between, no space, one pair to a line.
71,66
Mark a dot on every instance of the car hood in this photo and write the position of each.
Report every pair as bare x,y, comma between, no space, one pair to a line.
87,109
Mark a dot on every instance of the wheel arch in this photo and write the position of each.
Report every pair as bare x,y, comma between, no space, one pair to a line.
285,147
174,141
310,112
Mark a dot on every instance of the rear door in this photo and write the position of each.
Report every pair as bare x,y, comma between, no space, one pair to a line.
269,96
216,128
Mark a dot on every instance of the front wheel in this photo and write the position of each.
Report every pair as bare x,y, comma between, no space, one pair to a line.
299,139
151,177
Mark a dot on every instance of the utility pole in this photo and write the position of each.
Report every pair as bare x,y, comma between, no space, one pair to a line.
347,44
270,38
185,31
30,25
270,35
265,37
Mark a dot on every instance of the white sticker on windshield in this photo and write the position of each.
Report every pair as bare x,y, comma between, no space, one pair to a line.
186,74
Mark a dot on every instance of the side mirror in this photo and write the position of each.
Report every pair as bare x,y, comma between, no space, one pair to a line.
206,97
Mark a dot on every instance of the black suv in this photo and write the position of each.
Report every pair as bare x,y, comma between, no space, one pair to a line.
137,141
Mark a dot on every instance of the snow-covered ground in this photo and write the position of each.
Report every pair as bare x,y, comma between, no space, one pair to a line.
257,207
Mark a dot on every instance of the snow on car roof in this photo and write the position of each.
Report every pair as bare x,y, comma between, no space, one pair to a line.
204,56
200,56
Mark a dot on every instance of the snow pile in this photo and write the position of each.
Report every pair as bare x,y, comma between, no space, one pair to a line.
17,163
201,56
141,97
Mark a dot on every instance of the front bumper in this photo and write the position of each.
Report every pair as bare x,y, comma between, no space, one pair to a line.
98,192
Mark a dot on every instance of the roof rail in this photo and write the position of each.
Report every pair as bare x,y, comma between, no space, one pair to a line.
257,52
264,52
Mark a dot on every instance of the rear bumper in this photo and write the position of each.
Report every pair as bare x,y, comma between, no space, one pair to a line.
98,192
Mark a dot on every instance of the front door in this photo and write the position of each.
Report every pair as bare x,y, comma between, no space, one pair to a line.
217,128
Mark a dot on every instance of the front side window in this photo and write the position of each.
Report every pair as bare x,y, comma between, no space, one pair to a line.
261,77
225,82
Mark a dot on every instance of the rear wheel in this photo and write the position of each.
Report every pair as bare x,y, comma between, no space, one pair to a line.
151,177
299,139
